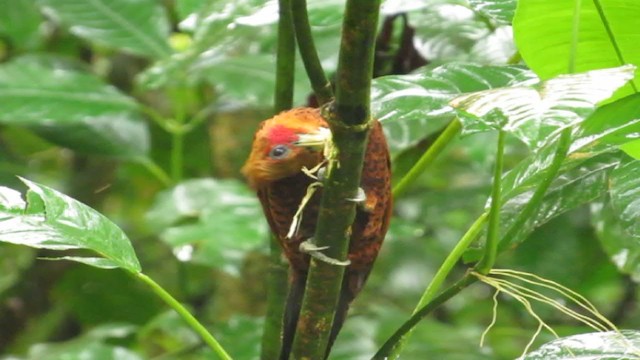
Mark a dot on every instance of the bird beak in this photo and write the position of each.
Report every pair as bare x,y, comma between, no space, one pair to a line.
316,139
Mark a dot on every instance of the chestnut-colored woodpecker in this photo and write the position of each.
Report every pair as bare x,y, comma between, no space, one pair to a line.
284,150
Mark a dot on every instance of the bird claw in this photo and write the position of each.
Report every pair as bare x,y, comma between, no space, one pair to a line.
308,247
366,203
360,197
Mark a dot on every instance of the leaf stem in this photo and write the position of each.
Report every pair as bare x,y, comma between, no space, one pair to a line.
155,170
319,82
186,315
451,260
388,347
493,232
177,150
528,212
428,157
442,273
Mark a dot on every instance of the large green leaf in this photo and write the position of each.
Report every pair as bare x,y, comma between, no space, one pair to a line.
622,248
608,127
51,220
601,345
613,124
500,10
633,149
534,111
446,31
208,221
136,26
606,36
579,182
71,108
573,188
411,107
20,22
625,196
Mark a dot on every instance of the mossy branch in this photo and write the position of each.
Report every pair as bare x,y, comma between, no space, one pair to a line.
349,120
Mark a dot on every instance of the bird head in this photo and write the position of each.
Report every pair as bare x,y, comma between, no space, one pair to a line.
284,144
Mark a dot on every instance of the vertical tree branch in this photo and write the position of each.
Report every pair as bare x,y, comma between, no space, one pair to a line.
285,58
349,121
319,82
277,277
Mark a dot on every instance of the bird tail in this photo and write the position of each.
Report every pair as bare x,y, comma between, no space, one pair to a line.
352,283
292,312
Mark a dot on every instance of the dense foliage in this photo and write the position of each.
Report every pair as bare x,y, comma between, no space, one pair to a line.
141,112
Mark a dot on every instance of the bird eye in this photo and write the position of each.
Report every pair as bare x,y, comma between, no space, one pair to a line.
279,152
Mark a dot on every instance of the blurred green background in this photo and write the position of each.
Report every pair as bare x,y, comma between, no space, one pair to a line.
145,110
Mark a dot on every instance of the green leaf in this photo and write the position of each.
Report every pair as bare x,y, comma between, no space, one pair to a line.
71,108
622,248
447,31
20,22
608,127
579,181
601,345
100,263
632,148
217,36
139,27
59,223
209,222
579,186
537,110
605,39
501,11
411,107
613,124
625,196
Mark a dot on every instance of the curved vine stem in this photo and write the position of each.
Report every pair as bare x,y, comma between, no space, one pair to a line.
319,83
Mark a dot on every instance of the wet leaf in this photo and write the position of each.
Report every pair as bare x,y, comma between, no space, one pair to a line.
52,220
611,125
548,52
622,248
211,222
139,27
446,31
413,106
578,182
602,346
71,108
625,196
536,110
501,11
